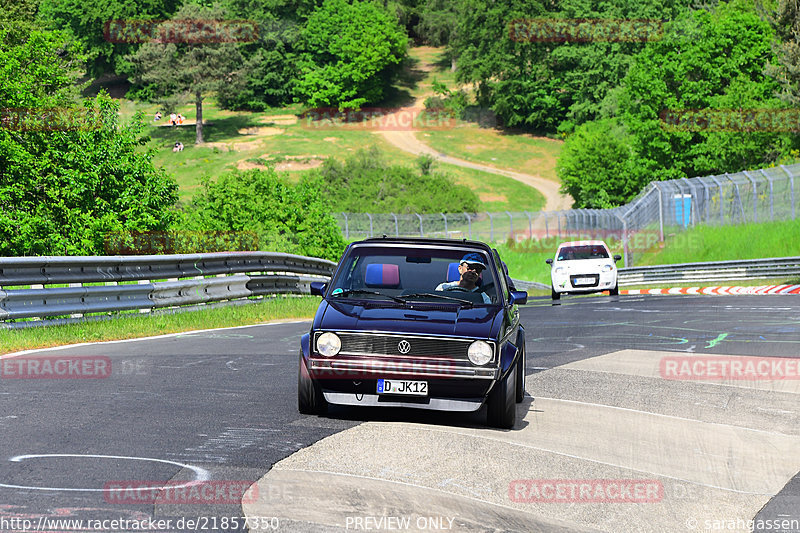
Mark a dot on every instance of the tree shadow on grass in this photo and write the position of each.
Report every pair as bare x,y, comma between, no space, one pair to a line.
408,78
218,130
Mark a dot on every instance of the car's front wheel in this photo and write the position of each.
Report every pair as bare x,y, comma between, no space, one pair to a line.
615,290
553,294
501,406
310,400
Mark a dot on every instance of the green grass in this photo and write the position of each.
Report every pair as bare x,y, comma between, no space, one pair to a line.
520,152
725,243
132,325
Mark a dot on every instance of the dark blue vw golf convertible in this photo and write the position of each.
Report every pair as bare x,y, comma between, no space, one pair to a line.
420,323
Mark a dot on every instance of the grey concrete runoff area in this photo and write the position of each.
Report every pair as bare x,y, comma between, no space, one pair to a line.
644,413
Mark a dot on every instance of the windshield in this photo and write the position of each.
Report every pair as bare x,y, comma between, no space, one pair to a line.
593,251
380,273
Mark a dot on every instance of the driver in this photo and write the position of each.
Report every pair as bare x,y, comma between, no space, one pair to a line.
470,268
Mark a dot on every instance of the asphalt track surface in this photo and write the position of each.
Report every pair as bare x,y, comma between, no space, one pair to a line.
222,405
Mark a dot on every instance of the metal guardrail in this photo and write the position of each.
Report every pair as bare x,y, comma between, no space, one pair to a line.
132,282
783,267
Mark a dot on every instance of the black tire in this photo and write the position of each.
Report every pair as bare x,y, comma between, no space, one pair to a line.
615,290
554,295
520,388
310,400
501,409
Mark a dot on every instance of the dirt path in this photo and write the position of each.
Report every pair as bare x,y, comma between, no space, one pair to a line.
407,141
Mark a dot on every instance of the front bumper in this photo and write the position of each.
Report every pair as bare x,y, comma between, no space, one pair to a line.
566,282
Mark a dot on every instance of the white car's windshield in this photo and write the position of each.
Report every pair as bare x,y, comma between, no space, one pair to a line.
569,253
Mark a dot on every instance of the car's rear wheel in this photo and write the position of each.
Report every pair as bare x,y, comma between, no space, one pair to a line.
501,407
520,389
553,294
310,400
615,290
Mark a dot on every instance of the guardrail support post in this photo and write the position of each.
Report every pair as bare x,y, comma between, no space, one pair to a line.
371,232
421,234
445,225
511,225
469,223
491,227
396,226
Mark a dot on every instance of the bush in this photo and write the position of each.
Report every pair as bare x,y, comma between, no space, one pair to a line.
391,188
286,218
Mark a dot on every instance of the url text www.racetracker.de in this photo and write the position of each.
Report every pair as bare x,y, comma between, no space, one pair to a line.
151,525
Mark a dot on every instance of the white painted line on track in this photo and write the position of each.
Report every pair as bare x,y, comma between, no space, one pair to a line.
155,337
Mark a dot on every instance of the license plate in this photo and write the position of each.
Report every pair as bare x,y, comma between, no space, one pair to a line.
402,386
584,281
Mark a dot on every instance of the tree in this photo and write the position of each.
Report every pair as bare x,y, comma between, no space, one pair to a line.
706,61
785,20
86,22
552,79
272,59
438,21
287,218
351,53
594,165
70,174
187,68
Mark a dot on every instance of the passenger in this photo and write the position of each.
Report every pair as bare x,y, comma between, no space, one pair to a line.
469,268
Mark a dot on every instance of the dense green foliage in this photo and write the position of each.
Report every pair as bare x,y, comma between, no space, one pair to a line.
594,166
351,52
86,22
364,182
69,173
286,218
705,61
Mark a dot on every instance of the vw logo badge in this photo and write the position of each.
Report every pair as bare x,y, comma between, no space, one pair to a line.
404,346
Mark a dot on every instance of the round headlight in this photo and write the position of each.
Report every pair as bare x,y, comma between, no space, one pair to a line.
329,344
559,270
480,353
607,268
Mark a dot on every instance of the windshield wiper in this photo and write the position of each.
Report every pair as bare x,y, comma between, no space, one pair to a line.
345,292
432,295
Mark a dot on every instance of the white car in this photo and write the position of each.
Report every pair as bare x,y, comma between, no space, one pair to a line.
583,267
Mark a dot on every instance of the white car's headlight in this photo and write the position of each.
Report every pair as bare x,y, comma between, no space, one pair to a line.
607,268
558,270
480,352
329,344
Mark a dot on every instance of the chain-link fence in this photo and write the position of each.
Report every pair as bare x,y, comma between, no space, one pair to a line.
663,207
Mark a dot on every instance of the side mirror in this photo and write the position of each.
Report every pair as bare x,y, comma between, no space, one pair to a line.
617,258
549,262
517,297
318,288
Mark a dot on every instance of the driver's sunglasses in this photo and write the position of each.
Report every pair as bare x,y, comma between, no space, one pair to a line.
476,268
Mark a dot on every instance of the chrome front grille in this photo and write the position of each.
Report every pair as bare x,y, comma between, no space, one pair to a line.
363,344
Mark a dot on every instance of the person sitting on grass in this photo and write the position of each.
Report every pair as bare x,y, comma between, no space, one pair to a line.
157,117
469,268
